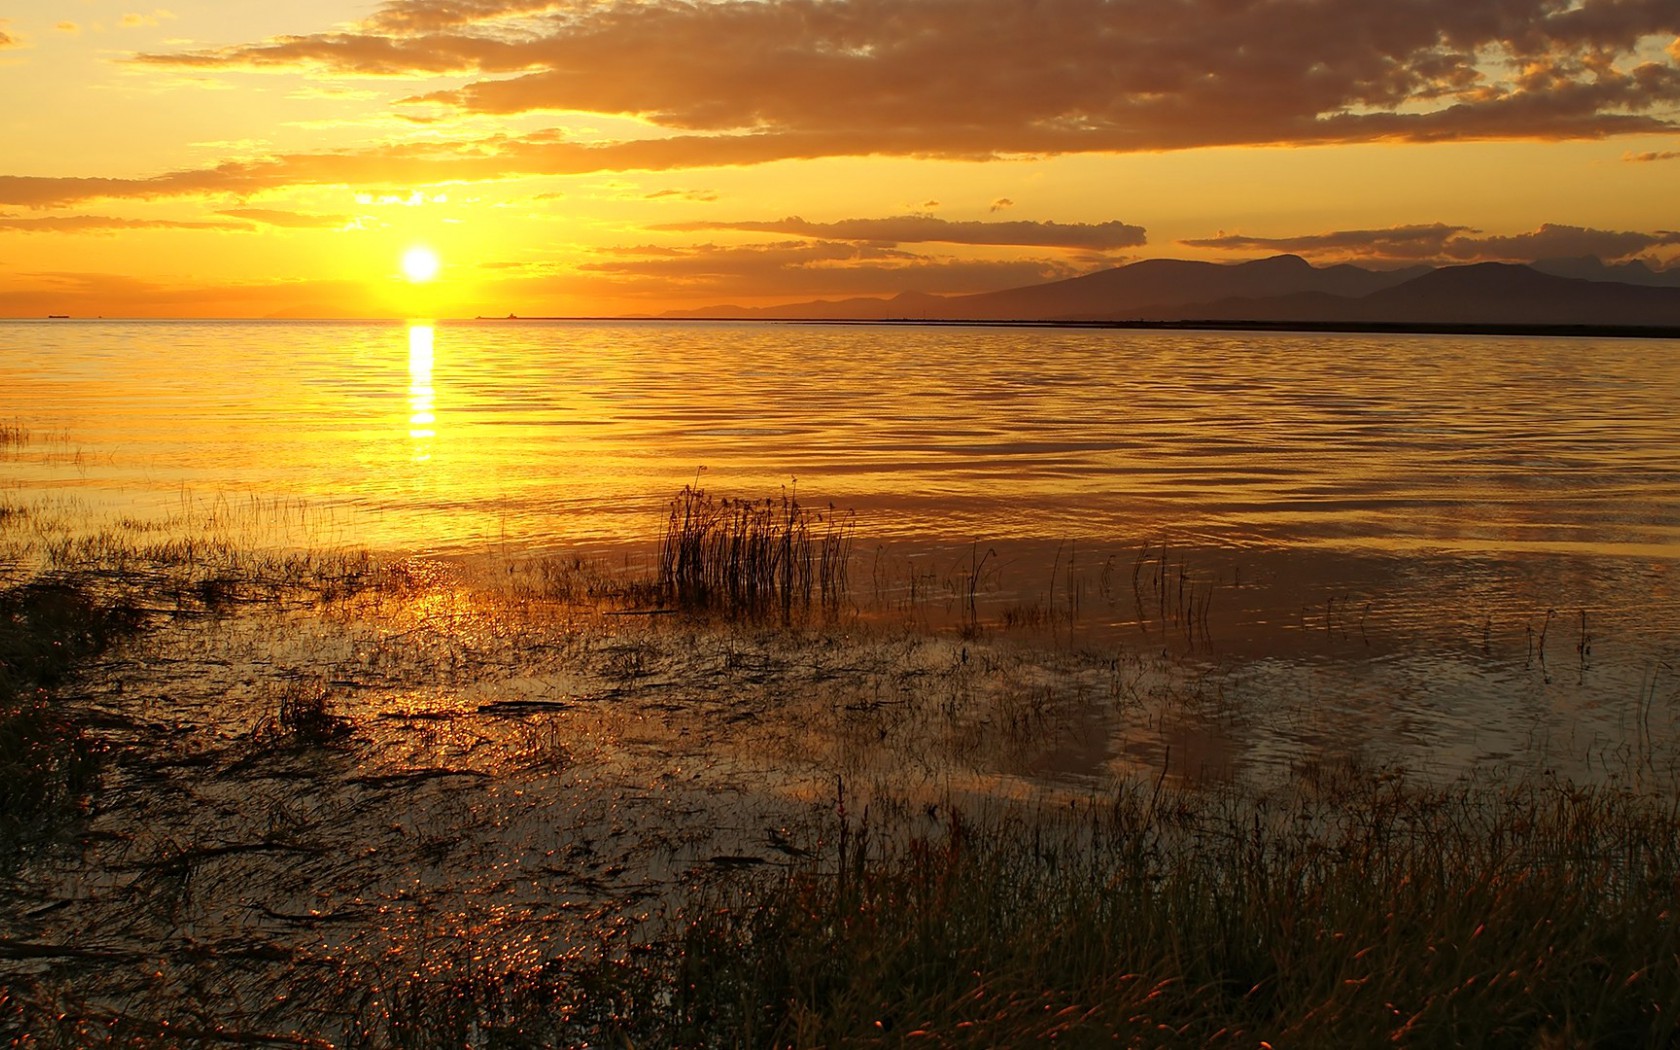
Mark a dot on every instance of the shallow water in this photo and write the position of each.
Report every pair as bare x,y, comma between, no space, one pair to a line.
1460,549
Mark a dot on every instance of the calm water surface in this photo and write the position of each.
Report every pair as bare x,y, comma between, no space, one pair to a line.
1378,522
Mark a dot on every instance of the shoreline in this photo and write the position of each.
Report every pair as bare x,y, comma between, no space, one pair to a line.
1544,331
422,812
1350,327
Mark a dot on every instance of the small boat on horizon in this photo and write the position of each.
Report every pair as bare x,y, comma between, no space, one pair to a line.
58,317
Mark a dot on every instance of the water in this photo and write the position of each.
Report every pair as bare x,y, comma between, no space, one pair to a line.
450,433
1460,548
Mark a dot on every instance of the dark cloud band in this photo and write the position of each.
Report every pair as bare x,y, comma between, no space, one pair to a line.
925,229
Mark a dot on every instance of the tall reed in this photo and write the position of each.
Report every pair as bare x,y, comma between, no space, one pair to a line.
753,557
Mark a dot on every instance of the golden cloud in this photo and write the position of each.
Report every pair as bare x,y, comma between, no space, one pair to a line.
1439,242
924,229
109,224
287,219
981,77
115,295
790,268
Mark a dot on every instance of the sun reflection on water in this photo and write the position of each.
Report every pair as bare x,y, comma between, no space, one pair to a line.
422,418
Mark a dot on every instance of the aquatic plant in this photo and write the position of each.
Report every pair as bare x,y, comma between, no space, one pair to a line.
752,557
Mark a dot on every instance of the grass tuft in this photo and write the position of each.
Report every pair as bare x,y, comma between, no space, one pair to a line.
305,718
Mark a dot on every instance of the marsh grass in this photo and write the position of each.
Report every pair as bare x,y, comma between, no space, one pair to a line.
1354,908
753,557
201,559
48,765
1349,907
76,591
304,717
1364,911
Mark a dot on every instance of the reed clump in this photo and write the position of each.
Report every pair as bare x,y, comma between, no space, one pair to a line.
753,557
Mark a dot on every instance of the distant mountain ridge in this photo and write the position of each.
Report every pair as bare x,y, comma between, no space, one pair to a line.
1287,289
1478,294
1591,268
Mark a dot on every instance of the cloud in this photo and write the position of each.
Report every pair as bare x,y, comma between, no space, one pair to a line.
1394,242
1001,203
1439,242
925,229
289,219
1552,241
113,295
1646,158
108,224
493,157
702,196
783,269
68,27
7,40
968,78
421,16
136,21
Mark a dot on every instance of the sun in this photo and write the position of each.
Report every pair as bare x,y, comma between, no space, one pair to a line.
420,264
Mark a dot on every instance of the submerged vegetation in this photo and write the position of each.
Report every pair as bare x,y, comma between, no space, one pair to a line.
262,797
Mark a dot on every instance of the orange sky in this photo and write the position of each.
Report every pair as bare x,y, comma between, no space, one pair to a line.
630,156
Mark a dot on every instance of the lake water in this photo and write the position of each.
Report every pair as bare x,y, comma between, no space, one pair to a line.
1462,547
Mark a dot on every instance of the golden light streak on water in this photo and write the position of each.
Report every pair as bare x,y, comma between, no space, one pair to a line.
422,416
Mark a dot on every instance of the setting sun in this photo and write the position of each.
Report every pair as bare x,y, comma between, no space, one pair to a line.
420,264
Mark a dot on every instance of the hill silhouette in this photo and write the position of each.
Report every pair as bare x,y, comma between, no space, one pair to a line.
1286,289
1478,294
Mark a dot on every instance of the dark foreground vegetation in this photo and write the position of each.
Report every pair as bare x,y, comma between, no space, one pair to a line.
1359,911
47,764
1349,906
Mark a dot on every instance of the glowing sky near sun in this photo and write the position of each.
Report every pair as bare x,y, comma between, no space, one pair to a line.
628,156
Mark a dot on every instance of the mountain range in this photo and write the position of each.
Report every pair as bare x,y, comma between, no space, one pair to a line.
1286,289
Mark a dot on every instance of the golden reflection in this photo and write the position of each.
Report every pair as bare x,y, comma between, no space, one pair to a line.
421,416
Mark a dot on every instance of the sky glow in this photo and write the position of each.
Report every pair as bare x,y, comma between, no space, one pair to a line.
212,159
